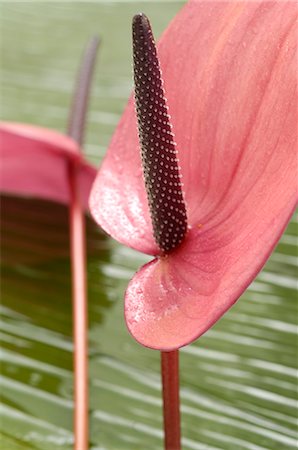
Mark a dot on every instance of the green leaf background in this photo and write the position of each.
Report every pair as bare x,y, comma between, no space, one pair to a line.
238,382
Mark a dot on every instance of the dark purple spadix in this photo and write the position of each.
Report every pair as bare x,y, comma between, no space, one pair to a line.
158,149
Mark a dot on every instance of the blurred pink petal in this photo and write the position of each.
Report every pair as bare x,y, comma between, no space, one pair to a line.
230,75
34,162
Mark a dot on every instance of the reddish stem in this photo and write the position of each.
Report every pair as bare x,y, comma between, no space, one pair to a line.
76,128
171,401
78,259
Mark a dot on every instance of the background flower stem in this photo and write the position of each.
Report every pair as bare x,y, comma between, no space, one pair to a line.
171,400
80,321
76,128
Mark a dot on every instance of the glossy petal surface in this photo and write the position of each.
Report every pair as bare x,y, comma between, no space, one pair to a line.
118,199
173,300
34,162
230,77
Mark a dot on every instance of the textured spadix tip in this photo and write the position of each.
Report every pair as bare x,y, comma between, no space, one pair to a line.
140,19
158,149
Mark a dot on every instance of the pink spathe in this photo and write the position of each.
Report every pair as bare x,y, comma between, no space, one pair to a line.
230,74
35,162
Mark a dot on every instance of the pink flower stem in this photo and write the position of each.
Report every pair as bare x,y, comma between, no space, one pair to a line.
171,401
80,322
76,128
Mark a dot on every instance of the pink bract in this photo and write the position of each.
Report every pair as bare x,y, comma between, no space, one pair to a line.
34,162
230,76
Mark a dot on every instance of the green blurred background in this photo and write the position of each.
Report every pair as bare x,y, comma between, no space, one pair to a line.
238,382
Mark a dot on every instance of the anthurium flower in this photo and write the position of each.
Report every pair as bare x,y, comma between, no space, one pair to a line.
229,71
34,162
43,163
